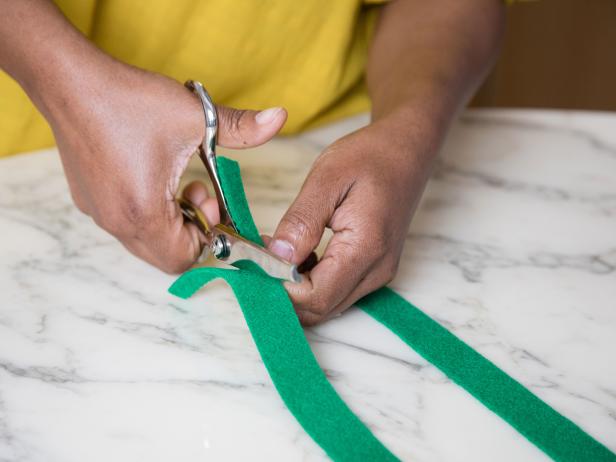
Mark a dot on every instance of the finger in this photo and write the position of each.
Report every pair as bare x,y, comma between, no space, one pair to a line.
307,264
297,292
308,319
346,264
170,244
301,228
182,241
239,128
378,277
196,192
311,314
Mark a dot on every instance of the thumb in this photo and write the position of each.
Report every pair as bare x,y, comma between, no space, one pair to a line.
301,228
241,128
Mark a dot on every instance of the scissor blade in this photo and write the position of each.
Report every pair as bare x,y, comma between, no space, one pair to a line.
230,247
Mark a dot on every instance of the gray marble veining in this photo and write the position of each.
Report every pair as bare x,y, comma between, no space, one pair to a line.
513,248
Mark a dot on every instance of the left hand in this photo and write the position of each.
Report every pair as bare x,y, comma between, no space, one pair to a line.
365,187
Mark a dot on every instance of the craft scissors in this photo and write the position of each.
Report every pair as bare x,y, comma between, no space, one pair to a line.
223,240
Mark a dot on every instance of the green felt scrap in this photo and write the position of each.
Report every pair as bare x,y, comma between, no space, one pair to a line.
316,405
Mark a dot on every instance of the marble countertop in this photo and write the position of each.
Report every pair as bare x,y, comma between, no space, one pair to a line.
513,249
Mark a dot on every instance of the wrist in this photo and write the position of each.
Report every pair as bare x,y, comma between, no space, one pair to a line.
413,132
67,75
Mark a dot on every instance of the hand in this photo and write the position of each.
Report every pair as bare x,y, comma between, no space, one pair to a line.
365,187
125,137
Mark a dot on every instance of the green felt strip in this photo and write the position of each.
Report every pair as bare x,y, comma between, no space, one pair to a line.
556,435
294,370
315,404
281,342
231,182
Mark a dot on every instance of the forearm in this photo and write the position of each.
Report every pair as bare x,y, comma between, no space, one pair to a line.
427,58
42,51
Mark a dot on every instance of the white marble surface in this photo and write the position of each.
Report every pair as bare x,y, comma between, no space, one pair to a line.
513,248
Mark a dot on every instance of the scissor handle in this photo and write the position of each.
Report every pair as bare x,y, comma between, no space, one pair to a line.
207,150
193,214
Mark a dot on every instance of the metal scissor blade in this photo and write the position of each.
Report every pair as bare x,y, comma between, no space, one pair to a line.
230,247
226,244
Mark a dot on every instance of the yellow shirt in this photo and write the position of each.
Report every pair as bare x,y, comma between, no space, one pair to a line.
308,56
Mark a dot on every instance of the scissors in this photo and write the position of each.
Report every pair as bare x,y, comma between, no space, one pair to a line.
223,240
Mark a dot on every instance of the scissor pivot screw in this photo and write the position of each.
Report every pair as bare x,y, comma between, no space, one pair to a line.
220,247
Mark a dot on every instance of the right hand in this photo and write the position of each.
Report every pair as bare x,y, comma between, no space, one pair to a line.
125,137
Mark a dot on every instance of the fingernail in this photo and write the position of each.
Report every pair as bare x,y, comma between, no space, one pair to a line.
267,116
282,248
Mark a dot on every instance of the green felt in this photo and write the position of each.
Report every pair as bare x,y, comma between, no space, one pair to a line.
281,342
556,435
315,404
294,370
231,182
